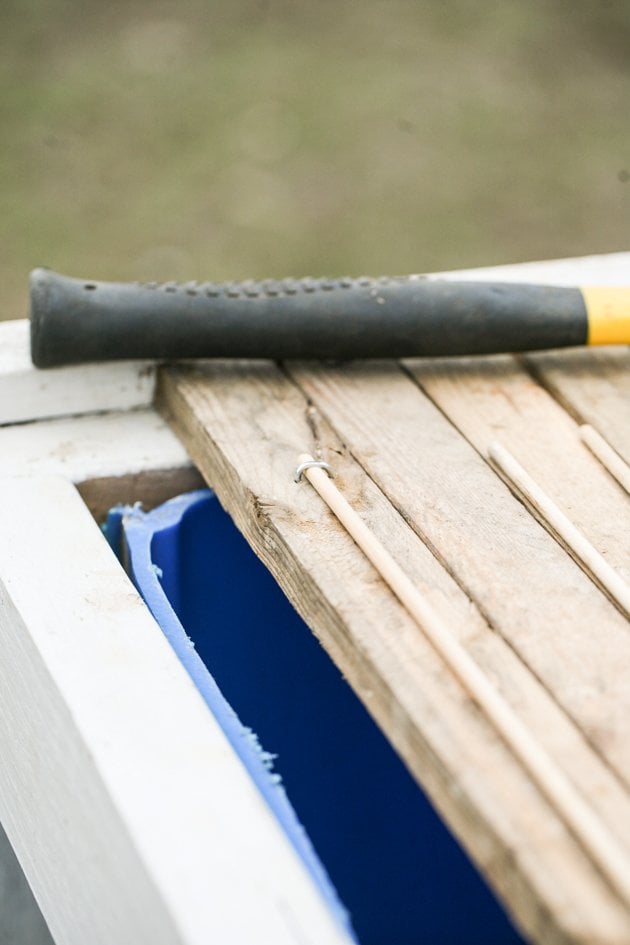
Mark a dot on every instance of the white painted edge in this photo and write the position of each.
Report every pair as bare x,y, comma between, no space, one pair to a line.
132,817
29,394
606,269
91,447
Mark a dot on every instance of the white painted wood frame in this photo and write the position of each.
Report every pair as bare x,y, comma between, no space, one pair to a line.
130,814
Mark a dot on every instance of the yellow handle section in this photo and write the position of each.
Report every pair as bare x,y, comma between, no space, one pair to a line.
608,313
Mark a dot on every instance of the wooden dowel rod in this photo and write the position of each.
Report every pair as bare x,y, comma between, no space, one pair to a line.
607,456
592,561
580,818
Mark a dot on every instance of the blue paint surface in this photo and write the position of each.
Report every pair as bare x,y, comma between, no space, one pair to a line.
386,853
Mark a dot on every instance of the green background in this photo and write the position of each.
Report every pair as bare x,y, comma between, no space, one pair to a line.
224,140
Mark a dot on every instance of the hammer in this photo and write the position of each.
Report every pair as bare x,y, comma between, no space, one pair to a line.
75,320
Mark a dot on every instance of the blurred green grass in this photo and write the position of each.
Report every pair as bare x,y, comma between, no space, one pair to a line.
222,140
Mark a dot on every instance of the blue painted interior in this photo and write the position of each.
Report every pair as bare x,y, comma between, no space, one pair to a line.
393,863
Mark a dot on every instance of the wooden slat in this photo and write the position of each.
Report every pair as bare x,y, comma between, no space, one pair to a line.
245,425
131,815
594,386
520,578
606,455
496,399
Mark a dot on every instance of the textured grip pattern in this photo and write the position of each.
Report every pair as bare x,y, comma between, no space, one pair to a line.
273,288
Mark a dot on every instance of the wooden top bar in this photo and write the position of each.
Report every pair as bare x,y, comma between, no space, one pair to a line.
408,444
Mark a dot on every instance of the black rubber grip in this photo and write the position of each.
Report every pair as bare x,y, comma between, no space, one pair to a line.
73,320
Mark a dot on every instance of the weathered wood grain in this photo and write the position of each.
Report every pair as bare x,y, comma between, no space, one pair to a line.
606,455
562,528
524,583
596,839
496,399
593,386
244,426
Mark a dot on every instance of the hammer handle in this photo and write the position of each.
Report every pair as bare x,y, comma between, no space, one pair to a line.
74,320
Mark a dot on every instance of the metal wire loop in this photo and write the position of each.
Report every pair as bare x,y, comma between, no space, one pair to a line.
311,464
